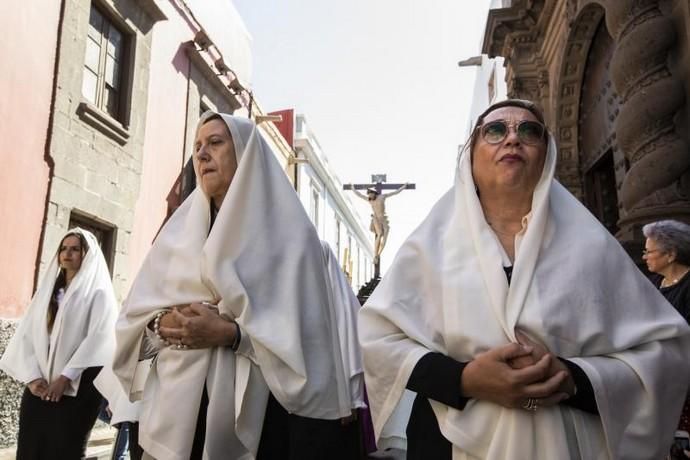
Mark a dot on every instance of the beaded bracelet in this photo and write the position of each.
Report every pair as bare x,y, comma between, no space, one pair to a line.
157,326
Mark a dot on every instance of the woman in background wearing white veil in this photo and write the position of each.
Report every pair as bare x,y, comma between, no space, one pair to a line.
522,325
59,347
235,295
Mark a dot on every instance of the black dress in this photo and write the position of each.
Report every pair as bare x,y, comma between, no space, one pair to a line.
286,436
438,377
678,295
58,430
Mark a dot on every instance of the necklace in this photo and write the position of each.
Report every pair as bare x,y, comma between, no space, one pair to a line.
665,283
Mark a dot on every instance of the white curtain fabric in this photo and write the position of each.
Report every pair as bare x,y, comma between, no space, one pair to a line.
83,331
573,288
262,263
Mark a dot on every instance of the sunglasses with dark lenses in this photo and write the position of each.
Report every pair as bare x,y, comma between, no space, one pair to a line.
529,132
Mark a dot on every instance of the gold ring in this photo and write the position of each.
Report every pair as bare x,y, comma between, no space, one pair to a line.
530,404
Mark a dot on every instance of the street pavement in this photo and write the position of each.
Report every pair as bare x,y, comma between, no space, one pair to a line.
100,443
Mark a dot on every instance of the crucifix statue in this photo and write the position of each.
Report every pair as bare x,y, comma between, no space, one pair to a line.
377,200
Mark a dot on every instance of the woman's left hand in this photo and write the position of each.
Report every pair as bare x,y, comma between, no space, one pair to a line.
200,327
56,389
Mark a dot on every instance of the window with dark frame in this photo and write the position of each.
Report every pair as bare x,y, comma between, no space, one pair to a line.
104,233
104,64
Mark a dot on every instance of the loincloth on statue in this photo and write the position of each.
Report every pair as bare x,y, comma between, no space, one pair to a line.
378,225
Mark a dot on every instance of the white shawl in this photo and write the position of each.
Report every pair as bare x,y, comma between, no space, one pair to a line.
121,408
573,288
83,331
262,263
345,306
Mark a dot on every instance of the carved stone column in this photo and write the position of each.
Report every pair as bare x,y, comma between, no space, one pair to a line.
657,184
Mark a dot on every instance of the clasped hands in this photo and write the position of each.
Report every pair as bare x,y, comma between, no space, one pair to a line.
513,374
49,392
197,325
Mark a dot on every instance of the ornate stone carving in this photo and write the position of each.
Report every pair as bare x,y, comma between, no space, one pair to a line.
582,29
571,11
659,174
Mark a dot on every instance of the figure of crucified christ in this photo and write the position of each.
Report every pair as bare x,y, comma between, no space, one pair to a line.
379,220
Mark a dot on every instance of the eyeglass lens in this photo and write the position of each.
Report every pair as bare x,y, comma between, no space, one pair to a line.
529,132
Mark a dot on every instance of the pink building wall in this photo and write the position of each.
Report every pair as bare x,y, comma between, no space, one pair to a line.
165,128
173,109
26,82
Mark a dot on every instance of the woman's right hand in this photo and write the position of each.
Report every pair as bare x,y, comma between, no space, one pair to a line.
200,327
170,320
38,387
490,377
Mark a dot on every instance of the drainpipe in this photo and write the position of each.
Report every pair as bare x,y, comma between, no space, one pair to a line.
186,125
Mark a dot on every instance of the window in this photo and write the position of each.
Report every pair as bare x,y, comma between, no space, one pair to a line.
104,65
337,238
359,267
104,233
314,209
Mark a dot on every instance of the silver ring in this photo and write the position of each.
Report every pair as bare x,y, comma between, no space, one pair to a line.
531,404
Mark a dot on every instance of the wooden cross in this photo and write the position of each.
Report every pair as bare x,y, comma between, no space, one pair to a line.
377,182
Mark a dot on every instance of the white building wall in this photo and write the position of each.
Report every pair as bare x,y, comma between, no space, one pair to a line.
334,208
230,34
489,87
490,78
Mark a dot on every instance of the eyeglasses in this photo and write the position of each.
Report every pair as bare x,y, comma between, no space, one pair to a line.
528,131
651,251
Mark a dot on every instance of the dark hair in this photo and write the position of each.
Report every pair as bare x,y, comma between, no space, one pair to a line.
519,103
61,280
671,236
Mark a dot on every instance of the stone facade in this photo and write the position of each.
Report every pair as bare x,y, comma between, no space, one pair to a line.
97,158
612,78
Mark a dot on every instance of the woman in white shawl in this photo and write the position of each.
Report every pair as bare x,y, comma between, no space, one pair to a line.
519,321
234,294
58,349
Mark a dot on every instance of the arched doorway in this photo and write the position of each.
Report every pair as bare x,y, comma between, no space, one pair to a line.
602,166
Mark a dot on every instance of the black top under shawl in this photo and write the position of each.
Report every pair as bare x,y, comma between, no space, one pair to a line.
678,294
437,376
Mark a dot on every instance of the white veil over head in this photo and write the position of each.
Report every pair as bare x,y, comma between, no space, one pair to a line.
573,288
83,329
262,263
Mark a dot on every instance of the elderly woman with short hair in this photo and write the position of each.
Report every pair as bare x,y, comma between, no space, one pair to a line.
667,254
524,328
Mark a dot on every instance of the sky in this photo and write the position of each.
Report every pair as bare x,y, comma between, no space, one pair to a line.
379,85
